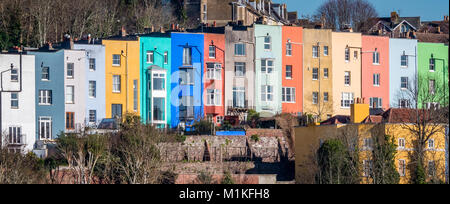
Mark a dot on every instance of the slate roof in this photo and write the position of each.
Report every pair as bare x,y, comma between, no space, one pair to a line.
413,21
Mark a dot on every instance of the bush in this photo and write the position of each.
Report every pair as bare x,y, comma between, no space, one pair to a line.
205,178
227,179
255,138
203,127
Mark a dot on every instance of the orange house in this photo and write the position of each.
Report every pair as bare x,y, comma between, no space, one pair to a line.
292,76
214,77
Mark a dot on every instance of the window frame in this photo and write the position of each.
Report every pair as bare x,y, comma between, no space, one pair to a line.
290,72
236,49
266,93
213,97
47,95
404,58
267,44
93,119
285,95
72,88
15,100
376,79
315,51
347,78
92,89
265,66
47,73
14,75
315,74
70,120
115,60
70,69
212,54
92,64
376,58
45,120
315,97
347,98
402,83
150,57
117,83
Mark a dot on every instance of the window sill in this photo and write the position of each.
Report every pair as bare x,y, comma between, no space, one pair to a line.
46,80
432,70
376,64
116,65
403,66
42,104
15,108
116,92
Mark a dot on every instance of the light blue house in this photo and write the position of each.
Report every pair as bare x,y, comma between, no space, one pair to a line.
268,70
155,71
49,85
95,80
402,72
186,79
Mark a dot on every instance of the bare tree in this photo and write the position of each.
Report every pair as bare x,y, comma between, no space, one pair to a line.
341,14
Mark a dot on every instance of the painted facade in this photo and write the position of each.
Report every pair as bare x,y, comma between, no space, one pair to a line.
155,77
346,70
292,70
402,66
187,79
214,77
268,69
94,85
240,68
317,73
309,139
122,76
432,74
375,71
18,107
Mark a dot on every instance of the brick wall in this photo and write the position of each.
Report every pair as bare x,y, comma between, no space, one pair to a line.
265,132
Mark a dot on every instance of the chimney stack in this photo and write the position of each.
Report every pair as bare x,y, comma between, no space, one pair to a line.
161,29
394,17
89,38
123,31
172,26
214,24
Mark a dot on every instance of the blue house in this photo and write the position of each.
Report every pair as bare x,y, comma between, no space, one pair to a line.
49,85
187,79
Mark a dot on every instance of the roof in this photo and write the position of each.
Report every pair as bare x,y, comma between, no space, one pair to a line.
123,38
338,119
94,41
413,21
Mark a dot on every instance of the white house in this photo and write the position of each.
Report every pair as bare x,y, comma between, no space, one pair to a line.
18,110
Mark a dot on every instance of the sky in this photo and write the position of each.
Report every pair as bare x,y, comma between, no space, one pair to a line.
427,9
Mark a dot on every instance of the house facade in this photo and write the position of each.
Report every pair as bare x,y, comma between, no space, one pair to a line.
432,60
317,73
18,109
375,71
94,84
214,77
292,70
346,70
239,70
186,97
122,76
268,69
155,76
402,72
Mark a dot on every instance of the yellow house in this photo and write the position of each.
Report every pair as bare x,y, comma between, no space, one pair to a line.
309,139
317,73
122,75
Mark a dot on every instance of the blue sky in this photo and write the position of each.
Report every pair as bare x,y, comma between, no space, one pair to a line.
426,9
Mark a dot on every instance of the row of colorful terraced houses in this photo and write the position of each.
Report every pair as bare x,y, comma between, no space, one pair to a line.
171,79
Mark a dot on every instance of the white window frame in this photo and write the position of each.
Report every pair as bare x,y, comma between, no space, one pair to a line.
266,68
404,60
315,51
404,85
214,97
45,97
150,57
70,97
376,79
116,61
347,78
15,99
401,143
377,100
288,49
315,97
432,65
72,70
47,74
93,89
15,135
432,86
315,74
325,50
326,97
92,65
325,73
45,120
267,45
92,116
347,98
236,71
285,94
157,75
117,83
214,71
347,54
376,58
212,52
14,75
266,93
288,77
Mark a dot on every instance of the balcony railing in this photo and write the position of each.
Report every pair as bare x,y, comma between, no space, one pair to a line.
236,105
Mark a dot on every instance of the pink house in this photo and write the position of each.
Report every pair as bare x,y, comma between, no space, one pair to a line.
375,71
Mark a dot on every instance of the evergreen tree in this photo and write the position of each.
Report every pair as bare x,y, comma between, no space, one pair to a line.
384,169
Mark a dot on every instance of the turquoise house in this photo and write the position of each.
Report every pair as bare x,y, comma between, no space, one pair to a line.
155,63
268,70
